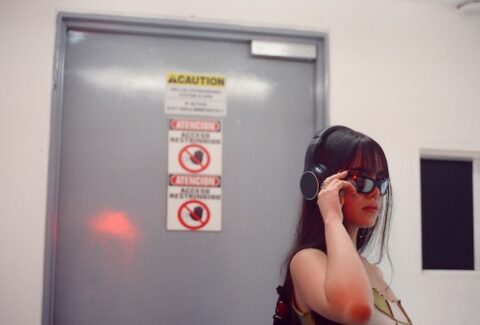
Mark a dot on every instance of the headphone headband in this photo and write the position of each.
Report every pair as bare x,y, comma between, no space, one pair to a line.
314,173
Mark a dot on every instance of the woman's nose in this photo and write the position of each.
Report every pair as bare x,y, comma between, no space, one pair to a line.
375,192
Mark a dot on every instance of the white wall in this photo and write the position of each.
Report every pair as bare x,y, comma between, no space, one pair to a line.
406,73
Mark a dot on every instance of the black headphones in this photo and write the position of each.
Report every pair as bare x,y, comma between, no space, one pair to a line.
314,173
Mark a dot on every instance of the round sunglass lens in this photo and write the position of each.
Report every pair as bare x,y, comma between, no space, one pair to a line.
364,185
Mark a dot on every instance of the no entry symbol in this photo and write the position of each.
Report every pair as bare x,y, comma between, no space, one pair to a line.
194,158
193,214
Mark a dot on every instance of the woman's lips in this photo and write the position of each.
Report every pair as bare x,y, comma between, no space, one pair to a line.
370,208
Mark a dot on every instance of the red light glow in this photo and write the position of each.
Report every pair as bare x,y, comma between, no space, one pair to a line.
116,224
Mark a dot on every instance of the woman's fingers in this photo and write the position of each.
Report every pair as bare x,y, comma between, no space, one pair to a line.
339,175
337,179
331,196
338,185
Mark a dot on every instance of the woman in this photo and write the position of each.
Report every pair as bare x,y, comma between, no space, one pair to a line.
328,281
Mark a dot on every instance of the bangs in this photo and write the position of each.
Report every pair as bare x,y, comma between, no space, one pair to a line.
371,158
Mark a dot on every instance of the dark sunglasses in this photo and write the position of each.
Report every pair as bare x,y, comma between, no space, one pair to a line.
366,185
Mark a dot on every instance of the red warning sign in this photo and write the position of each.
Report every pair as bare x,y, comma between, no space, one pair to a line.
194,180
193,214
195,125
194,158
194,175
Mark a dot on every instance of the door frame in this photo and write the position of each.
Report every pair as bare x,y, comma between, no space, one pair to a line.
154,27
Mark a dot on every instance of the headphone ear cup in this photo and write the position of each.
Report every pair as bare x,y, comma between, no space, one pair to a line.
311,181
309,185
314,174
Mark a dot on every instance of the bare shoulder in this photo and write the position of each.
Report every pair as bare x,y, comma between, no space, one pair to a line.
308,267
306,257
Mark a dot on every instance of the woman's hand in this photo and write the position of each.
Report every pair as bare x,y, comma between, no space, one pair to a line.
330,197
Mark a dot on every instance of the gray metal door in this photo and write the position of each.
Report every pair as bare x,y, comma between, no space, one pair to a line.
114,262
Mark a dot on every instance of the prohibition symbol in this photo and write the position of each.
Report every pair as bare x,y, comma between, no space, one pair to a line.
193,214
194,158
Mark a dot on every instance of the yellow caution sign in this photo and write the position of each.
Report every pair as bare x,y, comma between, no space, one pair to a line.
188,79
195,94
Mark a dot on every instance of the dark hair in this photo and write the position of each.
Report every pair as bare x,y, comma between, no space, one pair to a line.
338,150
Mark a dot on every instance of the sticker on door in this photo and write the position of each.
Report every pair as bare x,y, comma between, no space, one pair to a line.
194,172
195,94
